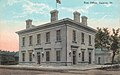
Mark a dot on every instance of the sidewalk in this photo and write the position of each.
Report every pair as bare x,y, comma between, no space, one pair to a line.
56,70
53,68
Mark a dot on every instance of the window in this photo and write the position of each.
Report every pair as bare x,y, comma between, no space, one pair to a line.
38,38
99,60
47,56
58,35
82,38
48,37
89,57
57,55
89,40
30,56
30,40
23,56
82,55
23,41
74,36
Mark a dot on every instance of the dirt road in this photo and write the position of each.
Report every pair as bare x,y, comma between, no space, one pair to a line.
30,72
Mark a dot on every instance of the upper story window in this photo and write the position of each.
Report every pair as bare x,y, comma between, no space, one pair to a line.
38,38
23,41
57,55
82,38
89,40
74,36
48,37
30,40
47,56
58,35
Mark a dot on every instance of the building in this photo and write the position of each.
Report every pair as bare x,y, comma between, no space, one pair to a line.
8,58
102,56
60,42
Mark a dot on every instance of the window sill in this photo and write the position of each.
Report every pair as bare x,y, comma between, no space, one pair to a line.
58,41
47,61
48,43
22,46
83,62
74,42
38,44
90,45
31,45
58,61
83,43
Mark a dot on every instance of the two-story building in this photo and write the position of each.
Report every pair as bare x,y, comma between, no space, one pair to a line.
60,42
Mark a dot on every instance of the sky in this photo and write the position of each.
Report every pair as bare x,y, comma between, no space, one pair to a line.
13,13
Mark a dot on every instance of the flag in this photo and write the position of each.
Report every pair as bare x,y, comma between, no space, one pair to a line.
58,1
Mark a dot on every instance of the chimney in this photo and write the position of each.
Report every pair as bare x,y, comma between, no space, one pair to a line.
76,16
84,20
28,23
54,15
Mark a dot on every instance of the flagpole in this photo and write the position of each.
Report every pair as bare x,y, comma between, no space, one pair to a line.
59,2
56,4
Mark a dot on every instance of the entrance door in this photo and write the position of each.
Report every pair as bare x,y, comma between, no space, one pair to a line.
74,57
38,57
89,57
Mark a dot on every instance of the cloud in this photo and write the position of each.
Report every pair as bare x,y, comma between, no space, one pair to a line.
37,8
82,9
19,16
105,16
87,7
29,7
11,25
107,5
32,8
12,2
109,23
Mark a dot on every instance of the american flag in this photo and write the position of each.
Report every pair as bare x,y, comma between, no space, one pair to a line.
58,1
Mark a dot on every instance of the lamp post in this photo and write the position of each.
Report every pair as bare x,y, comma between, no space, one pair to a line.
42,54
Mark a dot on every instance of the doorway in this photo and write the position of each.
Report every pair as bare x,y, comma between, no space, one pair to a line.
99,60
74,57
38,58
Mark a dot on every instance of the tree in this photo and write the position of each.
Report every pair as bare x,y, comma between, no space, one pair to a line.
115,42
102,38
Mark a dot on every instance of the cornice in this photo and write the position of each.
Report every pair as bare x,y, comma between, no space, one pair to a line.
65,21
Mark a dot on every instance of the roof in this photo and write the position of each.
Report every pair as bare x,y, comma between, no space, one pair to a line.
99,51
65,21
16,54
7,53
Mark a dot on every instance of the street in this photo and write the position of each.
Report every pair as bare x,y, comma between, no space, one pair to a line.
32,72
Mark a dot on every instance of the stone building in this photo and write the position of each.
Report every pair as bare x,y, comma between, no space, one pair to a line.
8,58
60,42
102,56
